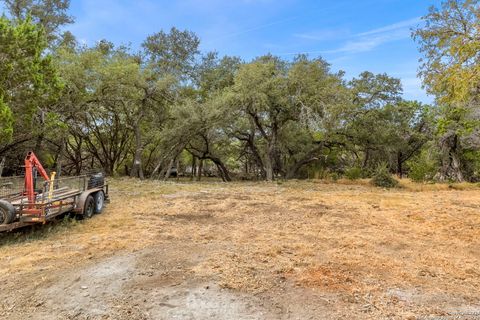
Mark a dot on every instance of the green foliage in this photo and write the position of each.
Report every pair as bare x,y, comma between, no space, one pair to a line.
383,178
374,91
423,167
471,158
269,118
6,122
28,80
450,42
334,176
354,173
172,53
51,15
113,98
214,74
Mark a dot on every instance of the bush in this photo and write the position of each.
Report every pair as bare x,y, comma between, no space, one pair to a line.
383,178
423,167
353,173
334,176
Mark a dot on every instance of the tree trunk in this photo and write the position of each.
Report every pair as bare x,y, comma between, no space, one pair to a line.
269,168
293,170
367,157
37,149
177,164
256,155
451,165
40,137
157,169
137,168
200,169
169,169
222,169
78,167
78,162
194,167
271,158
58,164
272,154
399,165
308,158
2,165
111,169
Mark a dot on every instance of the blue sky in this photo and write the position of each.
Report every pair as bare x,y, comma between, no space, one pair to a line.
352,35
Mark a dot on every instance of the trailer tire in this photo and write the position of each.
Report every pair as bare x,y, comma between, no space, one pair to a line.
7,212
89,207
99,198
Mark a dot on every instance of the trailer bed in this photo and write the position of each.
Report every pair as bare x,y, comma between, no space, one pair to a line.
54,199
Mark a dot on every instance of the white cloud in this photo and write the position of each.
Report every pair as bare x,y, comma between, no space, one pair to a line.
368,43
369,40
365,41
254,28
322,35
406,24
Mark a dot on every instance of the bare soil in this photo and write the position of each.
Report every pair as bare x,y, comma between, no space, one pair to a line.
296,250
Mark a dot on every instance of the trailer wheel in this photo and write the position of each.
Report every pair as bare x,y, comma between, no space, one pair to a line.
7,212
99,198
89,208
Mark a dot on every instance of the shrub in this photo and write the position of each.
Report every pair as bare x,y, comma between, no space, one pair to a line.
423,167
334,176
354,173
383,178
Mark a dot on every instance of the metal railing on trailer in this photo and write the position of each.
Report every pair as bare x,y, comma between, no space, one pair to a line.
11,186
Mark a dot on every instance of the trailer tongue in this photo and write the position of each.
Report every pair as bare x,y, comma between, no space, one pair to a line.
22,204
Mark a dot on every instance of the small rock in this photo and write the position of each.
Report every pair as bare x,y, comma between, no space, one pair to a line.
83,287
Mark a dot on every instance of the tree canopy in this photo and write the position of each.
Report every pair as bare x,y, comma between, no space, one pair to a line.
170,106
450,68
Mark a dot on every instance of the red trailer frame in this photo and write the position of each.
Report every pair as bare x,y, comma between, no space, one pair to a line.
32,162
57,196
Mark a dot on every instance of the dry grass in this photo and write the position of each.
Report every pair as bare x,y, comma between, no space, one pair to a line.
346,238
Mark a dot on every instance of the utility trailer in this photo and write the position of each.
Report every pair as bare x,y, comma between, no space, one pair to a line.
22,204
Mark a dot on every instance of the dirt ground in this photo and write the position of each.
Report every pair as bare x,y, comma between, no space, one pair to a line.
296,250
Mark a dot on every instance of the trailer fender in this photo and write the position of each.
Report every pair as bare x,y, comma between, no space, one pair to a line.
83,197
